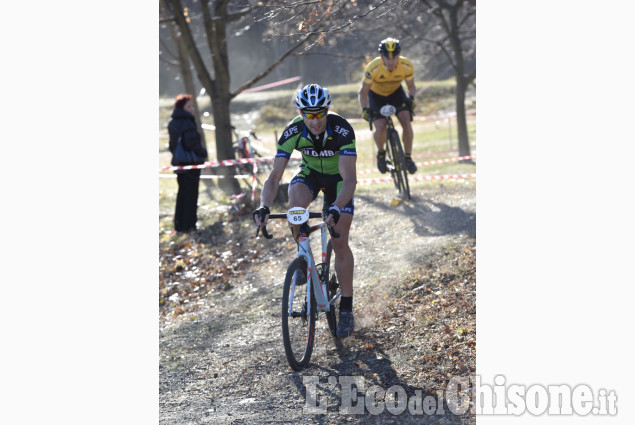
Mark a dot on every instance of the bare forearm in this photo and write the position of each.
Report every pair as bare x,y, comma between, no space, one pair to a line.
269,191
346,192
412,90
270,187
363,100
363,95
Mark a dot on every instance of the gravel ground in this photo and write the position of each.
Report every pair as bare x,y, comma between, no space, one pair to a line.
226,364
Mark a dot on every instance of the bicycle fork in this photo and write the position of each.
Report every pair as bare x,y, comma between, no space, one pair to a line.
313,279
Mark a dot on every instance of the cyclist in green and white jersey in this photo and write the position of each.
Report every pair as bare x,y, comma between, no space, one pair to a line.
327,143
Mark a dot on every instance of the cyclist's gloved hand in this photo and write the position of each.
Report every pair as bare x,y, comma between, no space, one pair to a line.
261,213
412,103
333,210
366,114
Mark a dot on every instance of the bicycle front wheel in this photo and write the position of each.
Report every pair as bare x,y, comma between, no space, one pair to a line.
400,165
391,151
298,325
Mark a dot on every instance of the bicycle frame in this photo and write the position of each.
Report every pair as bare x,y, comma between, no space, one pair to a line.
386,111
394,151
243,146
317,286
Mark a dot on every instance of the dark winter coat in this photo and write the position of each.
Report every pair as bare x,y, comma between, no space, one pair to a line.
183,123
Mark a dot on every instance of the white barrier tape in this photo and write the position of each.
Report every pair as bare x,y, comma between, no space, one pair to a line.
363,181
207,176
224,163
441,161
436,117
437,161
210,164
228,162
418,178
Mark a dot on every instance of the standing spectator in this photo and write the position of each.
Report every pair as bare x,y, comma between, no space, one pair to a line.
183,125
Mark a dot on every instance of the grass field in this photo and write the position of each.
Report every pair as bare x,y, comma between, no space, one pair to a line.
435,138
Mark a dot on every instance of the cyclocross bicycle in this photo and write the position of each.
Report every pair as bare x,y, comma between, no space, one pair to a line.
396,159
309,289
244,149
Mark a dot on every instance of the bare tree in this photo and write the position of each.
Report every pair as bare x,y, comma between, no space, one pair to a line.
297,24
455,36
216,15
182,61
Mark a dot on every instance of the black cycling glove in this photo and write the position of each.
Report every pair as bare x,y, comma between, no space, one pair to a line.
334,210
366,114
261,212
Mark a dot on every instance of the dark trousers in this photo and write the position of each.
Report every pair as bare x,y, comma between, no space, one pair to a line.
186,200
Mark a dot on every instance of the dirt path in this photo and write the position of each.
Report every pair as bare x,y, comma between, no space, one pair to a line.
228,365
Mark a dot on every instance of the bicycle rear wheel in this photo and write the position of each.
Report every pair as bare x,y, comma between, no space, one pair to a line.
298,326
332,286
400,165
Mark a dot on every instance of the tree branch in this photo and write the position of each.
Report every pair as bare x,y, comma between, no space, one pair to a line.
203,75
336,55
165,47
169,62
271,67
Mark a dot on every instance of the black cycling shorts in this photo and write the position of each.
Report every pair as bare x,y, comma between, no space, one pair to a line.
398,99
329,184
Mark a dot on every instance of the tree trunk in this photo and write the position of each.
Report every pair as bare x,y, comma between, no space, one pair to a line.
461,121
220,100
220,95
449,21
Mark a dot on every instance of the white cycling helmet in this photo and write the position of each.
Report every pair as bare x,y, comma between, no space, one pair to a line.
312,96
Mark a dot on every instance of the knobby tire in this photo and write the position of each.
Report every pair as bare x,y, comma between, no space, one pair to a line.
393,158
402,171
298,333
331,289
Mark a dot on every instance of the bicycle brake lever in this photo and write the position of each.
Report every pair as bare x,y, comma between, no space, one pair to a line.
265,234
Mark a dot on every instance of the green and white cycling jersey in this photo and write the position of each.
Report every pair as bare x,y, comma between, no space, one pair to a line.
319,153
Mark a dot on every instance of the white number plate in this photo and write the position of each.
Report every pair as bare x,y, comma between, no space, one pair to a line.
297,215
387,110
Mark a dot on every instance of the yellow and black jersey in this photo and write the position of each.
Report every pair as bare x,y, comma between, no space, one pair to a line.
384,82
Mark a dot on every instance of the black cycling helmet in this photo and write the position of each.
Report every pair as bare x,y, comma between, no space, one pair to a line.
389,47
312,97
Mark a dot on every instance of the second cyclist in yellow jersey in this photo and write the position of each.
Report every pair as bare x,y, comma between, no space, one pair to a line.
385,82
381,86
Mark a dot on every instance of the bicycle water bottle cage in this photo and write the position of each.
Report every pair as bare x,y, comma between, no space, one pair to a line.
387,110
298,215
